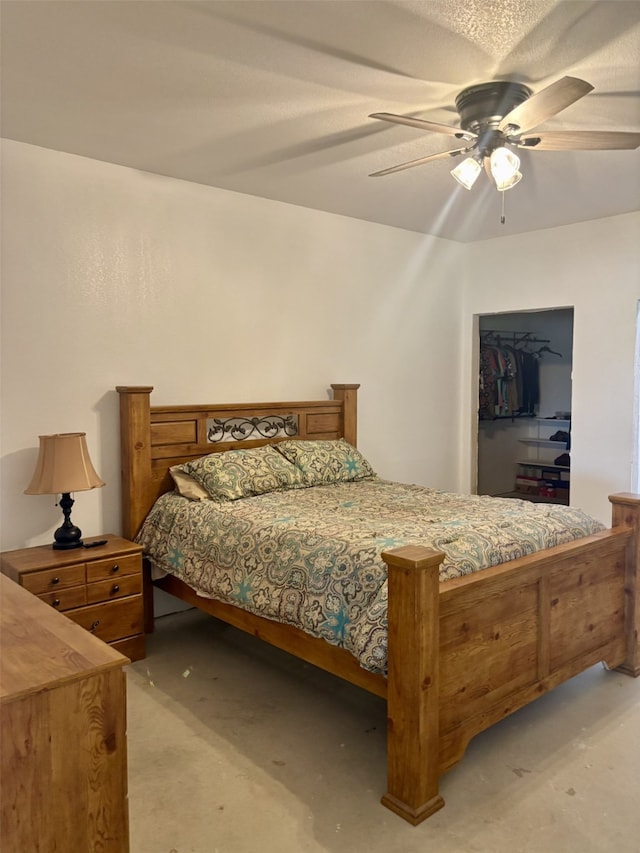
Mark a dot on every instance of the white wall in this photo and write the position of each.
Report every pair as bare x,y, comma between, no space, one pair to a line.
499,448
112,276
595,267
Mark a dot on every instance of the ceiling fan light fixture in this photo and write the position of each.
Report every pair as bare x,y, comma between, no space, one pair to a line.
466,173
505,167
509,182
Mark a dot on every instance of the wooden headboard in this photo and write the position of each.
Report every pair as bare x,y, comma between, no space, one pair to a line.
153,438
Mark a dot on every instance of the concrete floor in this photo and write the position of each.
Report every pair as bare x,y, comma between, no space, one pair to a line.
235,747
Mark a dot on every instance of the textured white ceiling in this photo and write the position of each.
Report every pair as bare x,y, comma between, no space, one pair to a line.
272,98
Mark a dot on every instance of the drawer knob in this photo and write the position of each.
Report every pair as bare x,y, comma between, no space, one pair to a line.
94,625
115,589
55,580
115,568
55,602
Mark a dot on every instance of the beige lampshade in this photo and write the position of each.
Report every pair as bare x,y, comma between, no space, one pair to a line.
63,466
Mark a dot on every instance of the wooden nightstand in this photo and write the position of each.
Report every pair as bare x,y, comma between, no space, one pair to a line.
99,588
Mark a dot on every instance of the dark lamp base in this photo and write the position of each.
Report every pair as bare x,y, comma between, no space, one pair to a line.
67,536
67,546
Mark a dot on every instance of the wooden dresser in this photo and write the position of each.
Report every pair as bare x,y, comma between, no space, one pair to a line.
99,588
63,783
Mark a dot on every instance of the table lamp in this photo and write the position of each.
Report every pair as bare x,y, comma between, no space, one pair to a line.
63,467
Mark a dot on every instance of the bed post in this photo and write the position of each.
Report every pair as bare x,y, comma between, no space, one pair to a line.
135,451
348,395
413,724
626,513
135,473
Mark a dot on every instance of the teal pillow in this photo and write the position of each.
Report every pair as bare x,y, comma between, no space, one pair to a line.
243,473
322,462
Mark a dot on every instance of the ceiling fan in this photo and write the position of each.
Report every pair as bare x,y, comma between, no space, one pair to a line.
497,117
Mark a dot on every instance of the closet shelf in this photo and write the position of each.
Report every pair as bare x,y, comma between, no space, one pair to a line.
548,466
544,442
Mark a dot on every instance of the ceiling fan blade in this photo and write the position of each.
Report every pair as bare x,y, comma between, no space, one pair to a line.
580,140
545,104
419,162
421,124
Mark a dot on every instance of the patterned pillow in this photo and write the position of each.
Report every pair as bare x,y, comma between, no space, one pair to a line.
321,462
242,473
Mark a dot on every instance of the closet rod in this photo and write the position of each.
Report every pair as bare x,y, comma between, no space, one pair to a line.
525,337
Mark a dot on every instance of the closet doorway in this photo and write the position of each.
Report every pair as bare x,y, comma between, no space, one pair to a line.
524,412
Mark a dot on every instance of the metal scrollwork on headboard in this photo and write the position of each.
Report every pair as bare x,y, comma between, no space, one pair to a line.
240,429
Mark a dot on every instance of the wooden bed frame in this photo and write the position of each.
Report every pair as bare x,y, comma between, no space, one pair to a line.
464,653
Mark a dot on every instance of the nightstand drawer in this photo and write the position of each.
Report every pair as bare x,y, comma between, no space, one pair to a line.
98,570
113,620
49,580
64,599
116,587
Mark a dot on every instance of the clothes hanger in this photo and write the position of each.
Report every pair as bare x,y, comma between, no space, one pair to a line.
547,349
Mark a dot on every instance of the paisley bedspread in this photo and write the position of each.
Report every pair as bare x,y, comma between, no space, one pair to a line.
311,557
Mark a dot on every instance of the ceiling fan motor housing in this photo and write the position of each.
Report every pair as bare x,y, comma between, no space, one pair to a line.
483,106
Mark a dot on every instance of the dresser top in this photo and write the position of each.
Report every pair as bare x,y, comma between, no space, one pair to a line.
41,648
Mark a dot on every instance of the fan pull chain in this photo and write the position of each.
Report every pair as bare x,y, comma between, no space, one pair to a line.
502,217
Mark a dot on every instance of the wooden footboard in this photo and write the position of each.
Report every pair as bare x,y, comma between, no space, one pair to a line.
464,653
497,640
